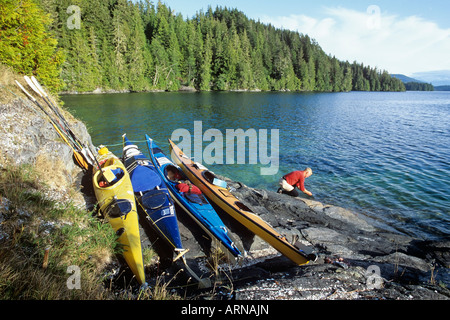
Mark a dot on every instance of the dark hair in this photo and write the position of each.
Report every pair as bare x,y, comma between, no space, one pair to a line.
172,169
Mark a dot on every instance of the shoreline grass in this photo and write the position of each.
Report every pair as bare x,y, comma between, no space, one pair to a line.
41,239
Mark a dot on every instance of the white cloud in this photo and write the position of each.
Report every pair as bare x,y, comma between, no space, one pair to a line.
397,44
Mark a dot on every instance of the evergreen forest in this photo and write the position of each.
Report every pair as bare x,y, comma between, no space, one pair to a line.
419,86
122,45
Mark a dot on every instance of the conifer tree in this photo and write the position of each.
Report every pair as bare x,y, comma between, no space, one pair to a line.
205,65
26,43
137,45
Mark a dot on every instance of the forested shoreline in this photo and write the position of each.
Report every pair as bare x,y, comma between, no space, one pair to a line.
419,86
143,46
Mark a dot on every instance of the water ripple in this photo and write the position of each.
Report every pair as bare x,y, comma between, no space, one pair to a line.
384,154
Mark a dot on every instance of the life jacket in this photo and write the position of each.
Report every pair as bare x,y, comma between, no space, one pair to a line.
184,187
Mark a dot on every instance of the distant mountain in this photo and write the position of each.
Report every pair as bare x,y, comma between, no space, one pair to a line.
412,84
405,79
437,78
442,88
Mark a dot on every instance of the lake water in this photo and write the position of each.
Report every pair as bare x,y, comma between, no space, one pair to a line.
386,155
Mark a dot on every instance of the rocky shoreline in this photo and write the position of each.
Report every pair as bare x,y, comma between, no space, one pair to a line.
183,88
357,259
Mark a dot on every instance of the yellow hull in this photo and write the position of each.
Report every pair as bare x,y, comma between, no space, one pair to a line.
127,226
237,210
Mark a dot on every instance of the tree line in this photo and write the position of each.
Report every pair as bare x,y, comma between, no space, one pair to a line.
419,86
140,46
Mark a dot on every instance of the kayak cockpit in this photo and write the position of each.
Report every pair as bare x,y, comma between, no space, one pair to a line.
109,176
174,174
118,208
212,179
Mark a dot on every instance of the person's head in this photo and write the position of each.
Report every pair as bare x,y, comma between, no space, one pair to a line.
172,173
308,172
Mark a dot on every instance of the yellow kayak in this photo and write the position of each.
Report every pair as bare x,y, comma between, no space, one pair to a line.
219,194
115,196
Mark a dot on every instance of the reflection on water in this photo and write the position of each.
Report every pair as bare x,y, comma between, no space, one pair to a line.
384,154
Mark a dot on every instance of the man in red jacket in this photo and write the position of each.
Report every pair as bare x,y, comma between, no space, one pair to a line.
295,179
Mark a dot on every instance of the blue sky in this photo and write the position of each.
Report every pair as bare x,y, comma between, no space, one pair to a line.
398,35
437,11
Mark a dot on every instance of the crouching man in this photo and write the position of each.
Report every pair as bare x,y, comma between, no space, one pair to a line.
289,182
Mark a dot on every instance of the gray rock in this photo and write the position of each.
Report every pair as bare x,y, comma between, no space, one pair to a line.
354,254
350,251
28,137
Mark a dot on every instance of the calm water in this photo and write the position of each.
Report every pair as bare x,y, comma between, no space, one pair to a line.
386,155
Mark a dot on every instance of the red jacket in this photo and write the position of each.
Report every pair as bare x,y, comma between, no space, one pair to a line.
296,179
183,187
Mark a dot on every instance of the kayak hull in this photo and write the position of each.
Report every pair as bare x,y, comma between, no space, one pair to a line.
117,204
223,198
196,206
152,196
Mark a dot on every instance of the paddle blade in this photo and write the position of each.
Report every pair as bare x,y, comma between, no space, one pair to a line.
38,86
79,159
32,85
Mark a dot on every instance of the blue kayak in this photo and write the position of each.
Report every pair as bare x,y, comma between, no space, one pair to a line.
191,201
152,195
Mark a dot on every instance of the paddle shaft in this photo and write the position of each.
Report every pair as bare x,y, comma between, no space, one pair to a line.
79,158
85,151
100,168
35,85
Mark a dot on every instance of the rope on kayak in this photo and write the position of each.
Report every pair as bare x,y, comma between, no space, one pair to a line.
155,225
